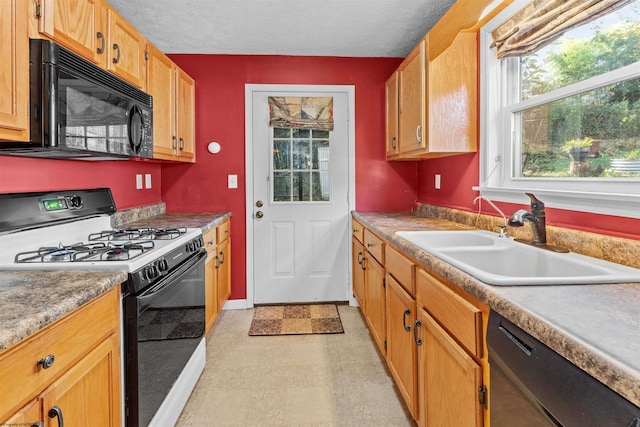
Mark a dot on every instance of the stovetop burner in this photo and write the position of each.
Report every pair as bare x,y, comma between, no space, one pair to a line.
111,251
138,233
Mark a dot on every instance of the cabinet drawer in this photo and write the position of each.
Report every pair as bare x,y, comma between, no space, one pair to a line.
402,269
374,246
210,240
462,319
357,230
223,231
68,340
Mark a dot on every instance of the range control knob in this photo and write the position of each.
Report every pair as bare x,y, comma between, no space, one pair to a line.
162,264
75,202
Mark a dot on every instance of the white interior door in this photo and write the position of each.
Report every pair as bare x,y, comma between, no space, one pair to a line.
301,206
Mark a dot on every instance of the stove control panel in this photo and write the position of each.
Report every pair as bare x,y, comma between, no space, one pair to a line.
61,203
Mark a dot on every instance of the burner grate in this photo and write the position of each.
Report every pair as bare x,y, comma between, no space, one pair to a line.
78,252
138,234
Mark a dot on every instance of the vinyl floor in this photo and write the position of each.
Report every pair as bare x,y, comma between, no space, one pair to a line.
293,380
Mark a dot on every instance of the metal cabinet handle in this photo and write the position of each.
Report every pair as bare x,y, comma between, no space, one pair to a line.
360,259
117,49
181,144
221,257
370,244
406,313
57,412
47,361
363,259
100,36
174,146
419,133
393,143
416,325
37,424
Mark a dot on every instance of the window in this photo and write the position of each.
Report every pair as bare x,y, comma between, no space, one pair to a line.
564,121
300,165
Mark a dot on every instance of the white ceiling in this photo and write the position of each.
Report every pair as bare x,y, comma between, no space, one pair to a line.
365,28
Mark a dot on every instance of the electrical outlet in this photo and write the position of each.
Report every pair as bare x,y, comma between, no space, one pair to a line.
138,181
437,183
147,180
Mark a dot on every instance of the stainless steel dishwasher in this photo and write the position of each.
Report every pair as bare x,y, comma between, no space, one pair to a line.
532,385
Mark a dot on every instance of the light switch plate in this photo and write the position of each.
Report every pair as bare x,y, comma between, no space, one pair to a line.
147,180
138,181
437,183
232,181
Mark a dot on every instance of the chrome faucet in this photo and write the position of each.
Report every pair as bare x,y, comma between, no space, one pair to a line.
535,217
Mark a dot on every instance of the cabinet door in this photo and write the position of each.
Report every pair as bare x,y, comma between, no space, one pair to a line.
413,135
126,50
449,379
210,291
28,415
185,105
391,107
375,302
452,98
357,271
14,71
161,85
401,349
224,272
89,393
76,25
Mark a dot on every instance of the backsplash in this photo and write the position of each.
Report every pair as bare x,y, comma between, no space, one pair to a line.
609,248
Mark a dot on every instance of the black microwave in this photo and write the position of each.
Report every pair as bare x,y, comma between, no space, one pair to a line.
79,111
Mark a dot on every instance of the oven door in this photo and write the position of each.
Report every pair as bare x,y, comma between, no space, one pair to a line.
163,326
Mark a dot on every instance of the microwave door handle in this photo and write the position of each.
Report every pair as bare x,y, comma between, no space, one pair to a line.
145,300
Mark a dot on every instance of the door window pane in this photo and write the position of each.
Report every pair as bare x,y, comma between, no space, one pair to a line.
296,153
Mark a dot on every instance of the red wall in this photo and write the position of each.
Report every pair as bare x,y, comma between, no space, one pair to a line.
22,174
460,173
220,116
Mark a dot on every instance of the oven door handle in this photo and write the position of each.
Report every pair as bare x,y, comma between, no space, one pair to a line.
146,298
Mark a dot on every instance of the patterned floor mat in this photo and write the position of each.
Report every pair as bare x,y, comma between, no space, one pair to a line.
296,320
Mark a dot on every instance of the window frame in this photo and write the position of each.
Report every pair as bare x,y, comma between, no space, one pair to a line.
596,195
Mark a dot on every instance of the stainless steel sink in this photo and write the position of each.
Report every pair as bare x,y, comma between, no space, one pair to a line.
504,262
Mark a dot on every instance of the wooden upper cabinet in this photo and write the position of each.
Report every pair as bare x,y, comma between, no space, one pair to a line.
14,71
161,85
453,97
391,107
173,93
127,50
76,25
411,102
185,110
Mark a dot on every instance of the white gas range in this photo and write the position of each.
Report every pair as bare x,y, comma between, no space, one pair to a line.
163,297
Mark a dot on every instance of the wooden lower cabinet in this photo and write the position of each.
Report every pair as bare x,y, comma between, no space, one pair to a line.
401,347
375,302
358,270
448,378
82,384
217,271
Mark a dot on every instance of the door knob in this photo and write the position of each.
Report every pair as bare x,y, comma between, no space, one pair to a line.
259,203
259,214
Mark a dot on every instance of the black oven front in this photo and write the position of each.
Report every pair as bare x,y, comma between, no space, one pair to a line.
164,324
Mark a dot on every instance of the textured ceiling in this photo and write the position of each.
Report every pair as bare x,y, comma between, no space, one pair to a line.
368,28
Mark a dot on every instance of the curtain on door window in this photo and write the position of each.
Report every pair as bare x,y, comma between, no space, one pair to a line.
301,112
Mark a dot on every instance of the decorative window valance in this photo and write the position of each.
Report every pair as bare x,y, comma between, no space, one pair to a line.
301,112
542,21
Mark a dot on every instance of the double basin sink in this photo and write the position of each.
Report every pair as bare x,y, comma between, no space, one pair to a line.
503,261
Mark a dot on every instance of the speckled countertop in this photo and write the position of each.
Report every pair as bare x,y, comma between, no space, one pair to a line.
594,326
31,300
